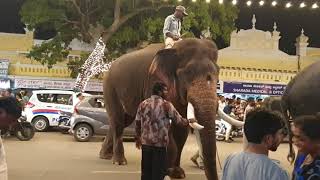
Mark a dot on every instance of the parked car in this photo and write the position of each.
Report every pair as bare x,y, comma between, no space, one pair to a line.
45,106
90,118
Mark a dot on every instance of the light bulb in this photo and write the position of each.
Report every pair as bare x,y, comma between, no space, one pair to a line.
315,6
261,3
220,1
288,5
302,5
274,3
207,1
249,3
234,2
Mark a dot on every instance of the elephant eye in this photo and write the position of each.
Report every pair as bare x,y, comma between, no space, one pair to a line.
209,78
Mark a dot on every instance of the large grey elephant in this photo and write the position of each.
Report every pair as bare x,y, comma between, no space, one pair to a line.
301,97
190,71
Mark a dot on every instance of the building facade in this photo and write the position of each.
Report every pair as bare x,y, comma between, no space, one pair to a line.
254,58
22,72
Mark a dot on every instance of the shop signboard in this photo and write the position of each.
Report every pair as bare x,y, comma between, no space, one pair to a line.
253,88
54,84
4,67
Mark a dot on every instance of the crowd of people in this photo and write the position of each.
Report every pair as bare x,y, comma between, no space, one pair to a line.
21,96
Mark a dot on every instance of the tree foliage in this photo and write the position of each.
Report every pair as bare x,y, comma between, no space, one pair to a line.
122,23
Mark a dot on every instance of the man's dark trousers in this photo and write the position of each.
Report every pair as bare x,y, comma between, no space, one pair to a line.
153,163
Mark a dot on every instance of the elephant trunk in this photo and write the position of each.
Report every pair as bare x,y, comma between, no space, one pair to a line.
202,96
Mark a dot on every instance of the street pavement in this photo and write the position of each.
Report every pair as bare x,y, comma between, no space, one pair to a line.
53,156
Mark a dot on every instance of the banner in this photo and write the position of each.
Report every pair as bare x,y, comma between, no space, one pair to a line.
4,83
253,88
54,84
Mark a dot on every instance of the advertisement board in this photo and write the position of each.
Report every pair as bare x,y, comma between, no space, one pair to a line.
54,84
253,88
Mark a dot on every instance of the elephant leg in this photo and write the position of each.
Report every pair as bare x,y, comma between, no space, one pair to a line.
180,135
106,151
117,123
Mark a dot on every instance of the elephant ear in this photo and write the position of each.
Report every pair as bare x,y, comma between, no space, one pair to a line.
163,68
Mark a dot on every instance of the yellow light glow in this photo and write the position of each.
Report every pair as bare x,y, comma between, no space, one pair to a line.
288,5
249,3
302,5
261,3
274,3
234,2
315,6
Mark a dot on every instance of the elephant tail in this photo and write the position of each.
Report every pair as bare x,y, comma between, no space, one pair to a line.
286,113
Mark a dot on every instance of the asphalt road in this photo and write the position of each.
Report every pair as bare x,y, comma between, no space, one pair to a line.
52,156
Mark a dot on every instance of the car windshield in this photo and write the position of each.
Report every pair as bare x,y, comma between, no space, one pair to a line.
95,102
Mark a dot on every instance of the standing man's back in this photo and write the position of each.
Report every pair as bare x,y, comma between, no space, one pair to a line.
251,166
264,131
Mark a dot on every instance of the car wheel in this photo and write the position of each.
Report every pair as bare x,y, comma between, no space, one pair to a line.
83,132
40,123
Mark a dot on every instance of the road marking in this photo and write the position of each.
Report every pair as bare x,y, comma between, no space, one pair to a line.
134,172
139,172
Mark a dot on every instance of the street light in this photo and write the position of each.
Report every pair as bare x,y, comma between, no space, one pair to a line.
261,3
249,3
302,5
234,2
315,6
288,5
274,3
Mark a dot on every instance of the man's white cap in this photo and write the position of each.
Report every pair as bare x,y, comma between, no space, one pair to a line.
182,9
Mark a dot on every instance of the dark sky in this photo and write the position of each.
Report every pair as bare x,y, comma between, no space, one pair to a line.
289,21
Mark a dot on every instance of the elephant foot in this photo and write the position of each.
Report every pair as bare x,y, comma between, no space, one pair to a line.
119,160
107,156
176,173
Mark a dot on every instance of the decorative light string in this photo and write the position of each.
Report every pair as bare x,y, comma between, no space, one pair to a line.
94,65
273,3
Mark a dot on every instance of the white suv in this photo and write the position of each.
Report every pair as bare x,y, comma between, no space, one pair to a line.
45,106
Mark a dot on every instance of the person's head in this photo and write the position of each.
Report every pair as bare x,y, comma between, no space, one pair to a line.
160,89
80,96
7,92
23,93
264,127
306,133
251,101
180,12
10,111
234,97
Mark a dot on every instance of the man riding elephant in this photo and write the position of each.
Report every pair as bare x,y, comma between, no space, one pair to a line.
172,26
189,70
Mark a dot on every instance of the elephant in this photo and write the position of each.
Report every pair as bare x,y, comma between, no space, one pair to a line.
301,97
190,72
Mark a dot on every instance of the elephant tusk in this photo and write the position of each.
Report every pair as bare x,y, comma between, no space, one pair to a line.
229,119
196,126
190,115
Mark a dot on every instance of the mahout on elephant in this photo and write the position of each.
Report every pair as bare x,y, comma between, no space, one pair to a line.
190,72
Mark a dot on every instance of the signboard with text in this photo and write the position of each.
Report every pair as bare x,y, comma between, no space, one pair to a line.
54,84
253,88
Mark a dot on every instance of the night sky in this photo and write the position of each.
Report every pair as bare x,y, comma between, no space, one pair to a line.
289,21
